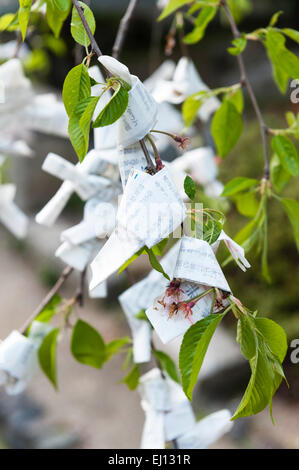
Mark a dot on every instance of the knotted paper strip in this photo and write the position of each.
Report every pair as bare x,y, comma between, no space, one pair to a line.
10,215
130,157
78,256
149,211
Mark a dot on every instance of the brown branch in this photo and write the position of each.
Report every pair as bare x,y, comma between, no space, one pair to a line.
63,277
123,28
245,82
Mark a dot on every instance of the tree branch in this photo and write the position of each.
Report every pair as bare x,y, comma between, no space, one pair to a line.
63,277
93,42
245,82
123,28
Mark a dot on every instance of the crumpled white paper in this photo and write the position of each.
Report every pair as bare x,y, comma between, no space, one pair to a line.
10,215
236,250
18,357
139,297
149,211
78,256
141,113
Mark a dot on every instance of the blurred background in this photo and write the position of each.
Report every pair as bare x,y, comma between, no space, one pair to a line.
91,409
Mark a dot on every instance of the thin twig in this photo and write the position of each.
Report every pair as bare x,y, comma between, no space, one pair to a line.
245,82
123,28
63,277
93,42
79,298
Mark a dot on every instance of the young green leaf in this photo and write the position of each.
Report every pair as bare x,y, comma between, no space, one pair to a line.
226,127
247,204
279,176
190,187
77,29
292,209
24,15
56,16
191,106
167,364
132,379
47,356
275,18
172,6
76,88
238,185
239,45
6,21
193,350
236,98
159,248
87,345
49,310
291,33
114,346
114,109
155,263
204,18
211,231
62,5
287,154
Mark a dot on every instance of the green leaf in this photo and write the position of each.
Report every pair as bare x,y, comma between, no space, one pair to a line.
279,176
287,154
292,209
49,310
264,344
130,260
87,345
142,315
76,134
56,16
77,28
6,20
291,33
63,5
114,346
76,88
226,127
204,18
238,185
24,15
190,187
159,248
285,64
191,106
172,6
211,231
85,121
247,204
132,379
47,356
193,350
155,263
115,107
167,364
275,18
239,45
237,99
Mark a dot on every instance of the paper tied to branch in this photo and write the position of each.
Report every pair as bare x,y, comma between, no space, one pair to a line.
18,362
17,88
165,71
130,157
197,269
17,148
46,114
10,215
139,297
236,250
186,81
78,256
206,431
73,175
98,222
149,211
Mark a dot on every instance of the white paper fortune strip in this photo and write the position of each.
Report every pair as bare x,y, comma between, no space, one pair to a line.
10,215
99,221
78,256
206,431
17,88
130,157
18,148
197,263
18,362
179,420
141,113
236,250
149,211
92,163
46,114
199,163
